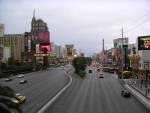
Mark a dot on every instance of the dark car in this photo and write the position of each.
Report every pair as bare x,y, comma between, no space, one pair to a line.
98,69
23,81
8,79
125,93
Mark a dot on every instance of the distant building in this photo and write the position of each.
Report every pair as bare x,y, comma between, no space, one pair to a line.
1,30
70,52
38,25
15,42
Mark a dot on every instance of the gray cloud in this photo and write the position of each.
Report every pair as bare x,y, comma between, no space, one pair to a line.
83,23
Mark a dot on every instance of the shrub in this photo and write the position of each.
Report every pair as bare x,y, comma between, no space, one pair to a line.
82,74
125,76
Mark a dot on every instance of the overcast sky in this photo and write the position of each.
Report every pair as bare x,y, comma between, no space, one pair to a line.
83,23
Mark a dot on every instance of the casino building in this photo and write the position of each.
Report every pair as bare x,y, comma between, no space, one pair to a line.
140,58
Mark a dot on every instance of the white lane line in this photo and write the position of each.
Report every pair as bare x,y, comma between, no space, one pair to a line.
56,96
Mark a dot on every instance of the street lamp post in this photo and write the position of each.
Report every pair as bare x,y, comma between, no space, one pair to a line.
122,54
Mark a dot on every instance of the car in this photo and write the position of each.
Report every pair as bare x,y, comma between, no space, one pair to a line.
98,69
101,75
22,81
126,72
20,76
125,93
15,101
21,98
8,79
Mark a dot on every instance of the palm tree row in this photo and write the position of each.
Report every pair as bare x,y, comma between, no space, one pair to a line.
6,104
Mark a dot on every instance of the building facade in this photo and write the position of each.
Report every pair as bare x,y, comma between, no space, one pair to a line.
1,30
16,43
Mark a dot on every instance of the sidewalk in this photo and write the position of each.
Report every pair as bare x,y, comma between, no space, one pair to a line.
138,87
139,92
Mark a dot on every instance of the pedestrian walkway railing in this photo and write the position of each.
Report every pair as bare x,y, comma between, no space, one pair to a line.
143,92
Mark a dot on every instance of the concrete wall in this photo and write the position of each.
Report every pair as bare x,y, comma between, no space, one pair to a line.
145,55
7,54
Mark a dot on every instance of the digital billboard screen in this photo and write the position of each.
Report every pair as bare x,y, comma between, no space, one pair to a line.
44,47
144,43
44,37
69,51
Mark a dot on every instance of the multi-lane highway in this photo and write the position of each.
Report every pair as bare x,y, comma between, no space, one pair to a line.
40,87
96,95
89,95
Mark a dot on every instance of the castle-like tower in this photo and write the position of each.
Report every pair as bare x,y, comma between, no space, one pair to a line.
38,25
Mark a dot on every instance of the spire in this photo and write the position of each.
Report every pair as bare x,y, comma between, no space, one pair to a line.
103,46
33,18
34,13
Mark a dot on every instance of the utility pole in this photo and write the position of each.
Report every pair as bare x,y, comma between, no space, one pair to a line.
122,53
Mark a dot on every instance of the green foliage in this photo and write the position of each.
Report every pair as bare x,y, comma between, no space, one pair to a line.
82,74
79,63
4,75
125,76
88,61
6,93
11,61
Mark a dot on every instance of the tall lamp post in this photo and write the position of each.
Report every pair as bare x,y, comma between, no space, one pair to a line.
122,53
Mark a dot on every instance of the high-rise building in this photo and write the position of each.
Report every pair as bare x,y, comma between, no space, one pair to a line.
1,30
15,42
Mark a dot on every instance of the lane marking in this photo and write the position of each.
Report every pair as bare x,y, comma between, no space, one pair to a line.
56,96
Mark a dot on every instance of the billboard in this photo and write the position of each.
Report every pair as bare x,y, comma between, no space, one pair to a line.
44,47
144,43
146,64
69,51
41,54
44,37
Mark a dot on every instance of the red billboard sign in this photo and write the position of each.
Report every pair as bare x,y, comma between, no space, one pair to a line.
44,47
44,37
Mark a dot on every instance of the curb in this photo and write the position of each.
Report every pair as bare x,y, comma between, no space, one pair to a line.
42,110
139,96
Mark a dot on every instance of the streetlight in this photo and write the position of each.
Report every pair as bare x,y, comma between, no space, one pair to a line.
122,53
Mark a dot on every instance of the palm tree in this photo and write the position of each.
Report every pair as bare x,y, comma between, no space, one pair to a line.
6,95
79,63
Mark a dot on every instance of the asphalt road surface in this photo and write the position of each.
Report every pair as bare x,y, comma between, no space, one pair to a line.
40,87
96,95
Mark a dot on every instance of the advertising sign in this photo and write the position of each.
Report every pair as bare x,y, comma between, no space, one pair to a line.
146,64
41,55
44,37
144,43
44,47
69,51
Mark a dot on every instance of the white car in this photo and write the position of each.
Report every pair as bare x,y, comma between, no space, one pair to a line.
101,75
20,76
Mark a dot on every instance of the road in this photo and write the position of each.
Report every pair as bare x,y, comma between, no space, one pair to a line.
40,88
89,95
96,95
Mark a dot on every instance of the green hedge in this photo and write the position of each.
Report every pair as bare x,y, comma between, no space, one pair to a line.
82,74
4,75
125,76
